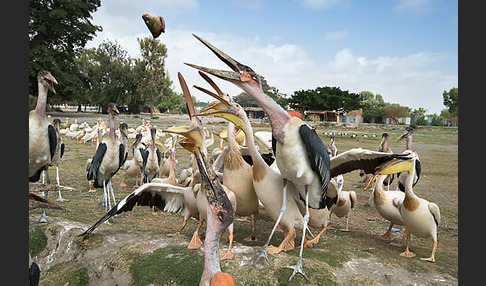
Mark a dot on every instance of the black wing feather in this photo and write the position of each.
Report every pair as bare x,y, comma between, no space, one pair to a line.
62,150
96,162
52,139
318,157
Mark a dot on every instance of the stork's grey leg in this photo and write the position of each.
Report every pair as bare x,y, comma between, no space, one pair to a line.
43,217
298,267
57,179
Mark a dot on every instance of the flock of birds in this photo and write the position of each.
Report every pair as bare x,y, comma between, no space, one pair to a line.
298,180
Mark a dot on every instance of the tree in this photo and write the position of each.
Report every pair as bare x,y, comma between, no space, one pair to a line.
451,101
325,98
109,70
420,116
154,82
372,105
58,30
395,111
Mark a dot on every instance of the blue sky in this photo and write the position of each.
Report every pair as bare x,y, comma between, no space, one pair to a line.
405,50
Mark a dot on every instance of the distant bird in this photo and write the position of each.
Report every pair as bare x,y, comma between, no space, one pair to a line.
420,217
407,135
333,151
151,159
42,135
134,166
156,24
59,152
109,157
345,203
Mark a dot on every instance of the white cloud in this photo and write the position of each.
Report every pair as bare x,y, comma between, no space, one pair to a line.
413,7
249,4
324,4
335,35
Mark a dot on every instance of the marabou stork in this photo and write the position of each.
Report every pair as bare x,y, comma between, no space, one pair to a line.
151,159
313,151
109,157
407,135
42,135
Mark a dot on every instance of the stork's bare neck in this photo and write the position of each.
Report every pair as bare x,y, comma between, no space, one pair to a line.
211,245
408,142
112,126
277,115
40,108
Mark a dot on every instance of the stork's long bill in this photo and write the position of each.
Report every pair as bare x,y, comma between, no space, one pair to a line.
247,79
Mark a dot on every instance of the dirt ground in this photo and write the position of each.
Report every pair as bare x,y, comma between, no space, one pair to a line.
359,256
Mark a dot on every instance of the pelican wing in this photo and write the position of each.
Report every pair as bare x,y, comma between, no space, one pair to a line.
360,159
434,210
137,197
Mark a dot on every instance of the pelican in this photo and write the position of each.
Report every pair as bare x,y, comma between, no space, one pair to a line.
58,153
407,135
420,217
345,203
42,135
387,204
151,159
109,157
383,147
267,182
301,156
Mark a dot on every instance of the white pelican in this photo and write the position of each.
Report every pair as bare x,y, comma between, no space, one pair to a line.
109,157
345,203
300,154
420,217
387,203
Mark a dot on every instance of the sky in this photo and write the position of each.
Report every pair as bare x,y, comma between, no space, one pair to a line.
404,50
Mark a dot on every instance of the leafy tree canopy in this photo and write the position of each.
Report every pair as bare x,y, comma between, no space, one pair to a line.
58,30
325,98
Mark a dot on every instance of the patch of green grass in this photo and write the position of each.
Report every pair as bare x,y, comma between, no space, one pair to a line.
37,240
174,265
66,273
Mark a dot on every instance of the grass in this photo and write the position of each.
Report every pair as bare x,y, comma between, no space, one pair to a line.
172,265
37,240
